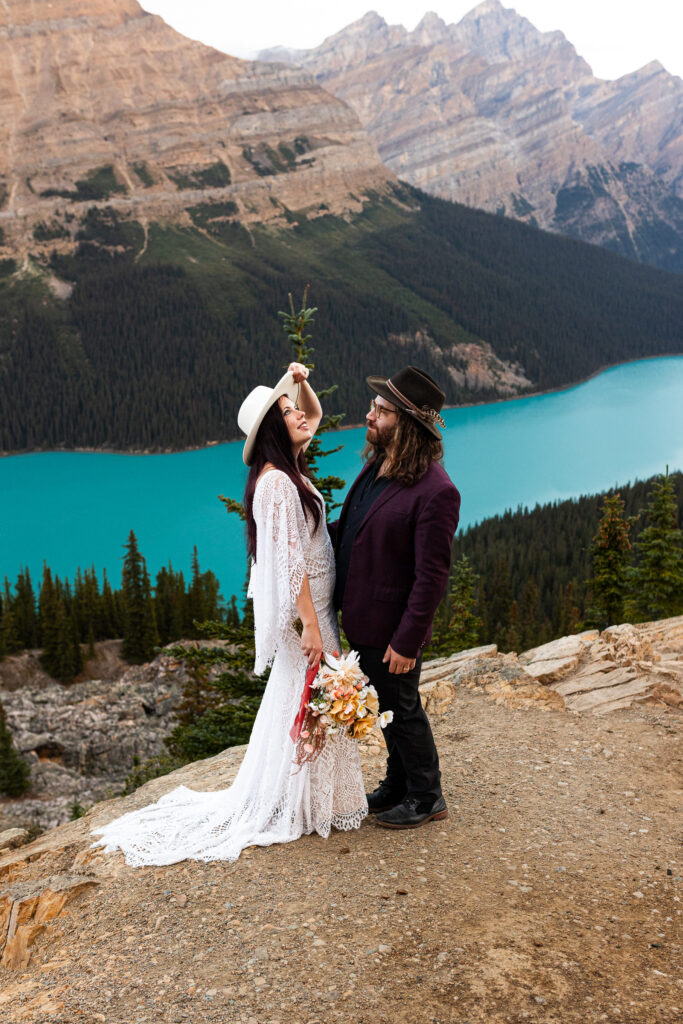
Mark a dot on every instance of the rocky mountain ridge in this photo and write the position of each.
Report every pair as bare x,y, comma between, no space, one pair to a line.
104,102
492,113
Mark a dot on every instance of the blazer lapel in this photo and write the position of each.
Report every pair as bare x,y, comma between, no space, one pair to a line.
386,494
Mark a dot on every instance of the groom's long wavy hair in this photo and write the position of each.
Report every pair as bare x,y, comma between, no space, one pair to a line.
273,445
410,454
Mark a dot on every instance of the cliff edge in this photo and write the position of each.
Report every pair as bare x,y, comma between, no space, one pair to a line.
550,893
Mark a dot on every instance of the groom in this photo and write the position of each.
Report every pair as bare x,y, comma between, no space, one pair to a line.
393,548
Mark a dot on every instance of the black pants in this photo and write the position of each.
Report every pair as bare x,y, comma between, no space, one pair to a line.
413,763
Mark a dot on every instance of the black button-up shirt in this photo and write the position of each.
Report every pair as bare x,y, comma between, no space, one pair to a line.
363,498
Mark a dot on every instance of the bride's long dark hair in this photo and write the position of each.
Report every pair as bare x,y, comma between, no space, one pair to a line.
273,445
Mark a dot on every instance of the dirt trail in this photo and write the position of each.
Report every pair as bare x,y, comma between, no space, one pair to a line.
550,894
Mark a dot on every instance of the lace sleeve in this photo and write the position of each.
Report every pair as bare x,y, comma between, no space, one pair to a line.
278,571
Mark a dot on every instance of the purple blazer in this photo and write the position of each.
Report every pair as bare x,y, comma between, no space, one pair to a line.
400,561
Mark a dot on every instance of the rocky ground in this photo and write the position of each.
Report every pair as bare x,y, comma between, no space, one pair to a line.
81,741
550,894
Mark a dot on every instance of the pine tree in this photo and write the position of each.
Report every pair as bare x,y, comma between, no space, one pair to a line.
464,628
139,625
109,620
295,324
232,615
170,605
60,655
10,636
195,595
528,615
610,557
656,582
570,613
14,772
499,595
511,639
24,608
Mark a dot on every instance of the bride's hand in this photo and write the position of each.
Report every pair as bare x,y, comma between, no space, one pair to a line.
298,371
312,643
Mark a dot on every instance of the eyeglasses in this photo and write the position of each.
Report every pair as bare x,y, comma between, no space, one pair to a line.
380,410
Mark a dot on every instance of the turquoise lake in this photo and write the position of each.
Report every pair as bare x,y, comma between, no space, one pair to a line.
72,508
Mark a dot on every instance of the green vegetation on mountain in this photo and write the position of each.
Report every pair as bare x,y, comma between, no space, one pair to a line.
66,616
14,772
517,580
586,562
165,323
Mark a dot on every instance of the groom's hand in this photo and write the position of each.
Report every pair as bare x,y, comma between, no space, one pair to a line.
397,663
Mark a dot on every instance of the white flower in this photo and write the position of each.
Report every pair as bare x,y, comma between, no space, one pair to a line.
341,670
362,712
372,690
385,718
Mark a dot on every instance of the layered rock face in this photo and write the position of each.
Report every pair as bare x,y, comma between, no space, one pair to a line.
497,115
101,101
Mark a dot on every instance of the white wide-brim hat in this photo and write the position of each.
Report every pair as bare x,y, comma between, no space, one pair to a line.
256,405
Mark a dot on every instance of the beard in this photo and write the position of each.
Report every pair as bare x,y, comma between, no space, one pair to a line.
377,441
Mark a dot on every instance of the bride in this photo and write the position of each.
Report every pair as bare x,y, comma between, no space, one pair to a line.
273,799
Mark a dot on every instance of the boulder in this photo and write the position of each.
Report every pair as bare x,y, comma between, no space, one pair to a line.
553,669
13,837
555,650
505,681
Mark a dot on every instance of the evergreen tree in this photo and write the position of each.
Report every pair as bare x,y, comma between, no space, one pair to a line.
170,605
295,324
499,594
87,603
656,582
109,619
139,625
61,654
610,558
24,608
511,639
570,612
14,772
196,605
232,615
528,615
11,641
464,628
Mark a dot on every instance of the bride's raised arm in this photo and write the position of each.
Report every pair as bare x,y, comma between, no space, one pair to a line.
308,400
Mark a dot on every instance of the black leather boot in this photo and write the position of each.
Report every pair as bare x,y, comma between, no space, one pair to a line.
384,798
412,812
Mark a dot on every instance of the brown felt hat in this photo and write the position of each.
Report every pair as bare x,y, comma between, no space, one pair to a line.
413,391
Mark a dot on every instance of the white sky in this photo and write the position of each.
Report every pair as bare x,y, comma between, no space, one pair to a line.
614,36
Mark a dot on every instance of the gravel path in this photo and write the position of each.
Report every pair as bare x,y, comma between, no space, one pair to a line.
548,895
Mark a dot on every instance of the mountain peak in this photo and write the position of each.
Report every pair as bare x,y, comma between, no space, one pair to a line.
430,30
362,39
499,32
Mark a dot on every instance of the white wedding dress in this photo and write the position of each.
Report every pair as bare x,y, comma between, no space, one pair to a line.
272,800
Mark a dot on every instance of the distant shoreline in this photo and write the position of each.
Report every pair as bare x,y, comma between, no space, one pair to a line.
347,426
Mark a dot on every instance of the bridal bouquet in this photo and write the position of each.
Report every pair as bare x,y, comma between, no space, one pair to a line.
336,696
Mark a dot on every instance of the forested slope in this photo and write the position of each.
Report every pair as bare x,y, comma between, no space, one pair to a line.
534,564
166,327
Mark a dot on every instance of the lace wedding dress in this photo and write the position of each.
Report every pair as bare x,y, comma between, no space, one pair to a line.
272,800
